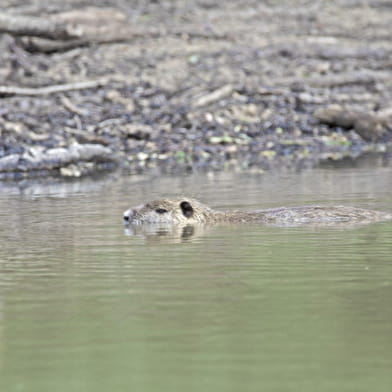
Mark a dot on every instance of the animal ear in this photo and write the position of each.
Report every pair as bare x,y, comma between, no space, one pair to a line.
186,208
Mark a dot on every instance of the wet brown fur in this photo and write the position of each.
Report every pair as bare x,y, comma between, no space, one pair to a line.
184,211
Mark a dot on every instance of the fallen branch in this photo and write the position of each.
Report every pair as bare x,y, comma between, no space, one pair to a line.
35,44
38,27
54,158
82,27
108,34
59,88
44,45
370,126
67,30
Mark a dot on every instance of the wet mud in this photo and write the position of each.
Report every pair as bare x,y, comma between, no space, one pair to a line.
176,86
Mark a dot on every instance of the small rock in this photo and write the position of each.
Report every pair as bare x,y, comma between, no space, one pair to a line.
323,68
268,154
369,127
70,171
308,98
9,162
142,156
138,131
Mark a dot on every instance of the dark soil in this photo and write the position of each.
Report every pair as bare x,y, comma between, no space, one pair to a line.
199,85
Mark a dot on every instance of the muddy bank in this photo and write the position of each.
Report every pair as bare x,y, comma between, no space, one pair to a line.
197,85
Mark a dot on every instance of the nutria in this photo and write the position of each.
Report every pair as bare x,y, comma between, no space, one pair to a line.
188,211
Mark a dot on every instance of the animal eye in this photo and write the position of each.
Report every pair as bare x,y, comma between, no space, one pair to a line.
160,210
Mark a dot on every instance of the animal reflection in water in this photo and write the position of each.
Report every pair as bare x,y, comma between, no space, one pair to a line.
164,233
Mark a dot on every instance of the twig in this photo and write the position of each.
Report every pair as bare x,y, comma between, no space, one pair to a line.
71,107
214,96
59,88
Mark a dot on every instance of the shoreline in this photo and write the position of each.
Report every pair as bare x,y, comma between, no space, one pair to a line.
221,91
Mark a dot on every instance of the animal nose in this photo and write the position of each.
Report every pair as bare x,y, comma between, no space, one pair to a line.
127,215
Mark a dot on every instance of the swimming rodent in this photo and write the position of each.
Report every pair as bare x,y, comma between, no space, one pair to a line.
188,211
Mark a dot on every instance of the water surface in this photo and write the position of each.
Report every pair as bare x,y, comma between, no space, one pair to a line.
84,306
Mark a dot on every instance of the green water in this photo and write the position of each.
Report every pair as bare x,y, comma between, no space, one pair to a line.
84,306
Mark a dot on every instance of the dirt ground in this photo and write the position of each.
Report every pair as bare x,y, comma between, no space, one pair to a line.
178,86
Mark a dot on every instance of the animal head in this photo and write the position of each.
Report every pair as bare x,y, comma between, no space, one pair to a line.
180,211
